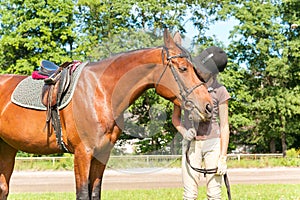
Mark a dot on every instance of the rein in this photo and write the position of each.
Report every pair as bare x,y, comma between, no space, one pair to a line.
208,171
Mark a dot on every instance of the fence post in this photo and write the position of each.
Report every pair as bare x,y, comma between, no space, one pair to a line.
147,159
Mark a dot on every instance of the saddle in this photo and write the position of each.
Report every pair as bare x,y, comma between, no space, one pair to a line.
47,68
57,83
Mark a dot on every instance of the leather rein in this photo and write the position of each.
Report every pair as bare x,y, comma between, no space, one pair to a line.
208,171
204,170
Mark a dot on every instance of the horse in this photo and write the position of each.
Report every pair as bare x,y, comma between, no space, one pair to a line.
93,119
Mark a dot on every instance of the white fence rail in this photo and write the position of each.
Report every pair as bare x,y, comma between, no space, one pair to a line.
145,158
254,156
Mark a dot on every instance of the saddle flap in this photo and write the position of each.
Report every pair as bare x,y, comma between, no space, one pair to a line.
49,94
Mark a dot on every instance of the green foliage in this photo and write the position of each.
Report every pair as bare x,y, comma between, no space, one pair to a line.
263,72
34,30
25,154
34,162
241,192
268,49
151,122
129,39
108,26
292,153
264,162
151,161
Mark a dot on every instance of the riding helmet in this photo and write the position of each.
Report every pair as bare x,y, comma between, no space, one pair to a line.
211,60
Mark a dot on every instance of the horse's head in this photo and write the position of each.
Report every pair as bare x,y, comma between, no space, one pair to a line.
179,81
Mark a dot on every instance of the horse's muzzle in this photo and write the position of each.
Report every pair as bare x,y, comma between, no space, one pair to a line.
197,116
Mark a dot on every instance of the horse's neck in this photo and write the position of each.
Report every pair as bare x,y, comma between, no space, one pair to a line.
133,74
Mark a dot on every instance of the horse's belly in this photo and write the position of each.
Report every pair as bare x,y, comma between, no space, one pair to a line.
24,130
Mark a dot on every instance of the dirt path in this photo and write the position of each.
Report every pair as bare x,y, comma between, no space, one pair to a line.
63,181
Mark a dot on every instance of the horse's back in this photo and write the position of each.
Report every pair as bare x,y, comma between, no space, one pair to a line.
8,82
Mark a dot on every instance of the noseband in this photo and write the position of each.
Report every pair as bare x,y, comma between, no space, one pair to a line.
183,90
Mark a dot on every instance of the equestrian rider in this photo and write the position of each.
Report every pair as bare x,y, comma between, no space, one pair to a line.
207,142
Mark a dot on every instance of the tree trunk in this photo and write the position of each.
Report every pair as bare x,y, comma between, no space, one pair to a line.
172,146
272,145
283,144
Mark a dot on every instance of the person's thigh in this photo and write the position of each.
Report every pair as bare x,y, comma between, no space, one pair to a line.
211,150
190,177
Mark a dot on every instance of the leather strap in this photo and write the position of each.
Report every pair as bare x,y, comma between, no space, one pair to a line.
57,129
208,171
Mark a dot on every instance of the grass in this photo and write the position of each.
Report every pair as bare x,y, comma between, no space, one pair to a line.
264,162
65,163
239,192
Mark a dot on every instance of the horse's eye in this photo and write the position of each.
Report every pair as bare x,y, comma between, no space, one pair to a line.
182,68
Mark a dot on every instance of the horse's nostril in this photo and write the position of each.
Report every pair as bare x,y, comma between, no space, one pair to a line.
208,108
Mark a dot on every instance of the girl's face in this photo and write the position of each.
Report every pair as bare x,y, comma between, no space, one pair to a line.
205,76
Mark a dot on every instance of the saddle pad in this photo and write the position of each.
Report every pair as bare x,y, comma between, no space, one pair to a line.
28,92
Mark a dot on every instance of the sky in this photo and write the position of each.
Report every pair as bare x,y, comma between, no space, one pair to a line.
221,29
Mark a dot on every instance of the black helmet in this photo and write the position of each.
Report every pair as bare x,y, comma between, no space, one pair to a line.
211,60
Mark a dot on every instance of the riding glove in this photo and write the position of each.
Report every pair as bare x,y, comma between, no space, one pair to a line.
189,134
222,165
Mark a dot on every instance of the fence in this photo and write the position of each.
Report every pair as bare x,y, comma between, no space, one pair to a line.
125,161
254,156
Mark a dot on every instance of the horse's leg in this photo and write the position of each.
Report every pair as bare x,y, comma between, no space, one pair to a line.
7,161
82,161
96,174
99,161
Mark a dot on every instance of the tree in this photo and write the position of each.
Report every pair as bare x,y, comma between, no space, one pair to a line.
103,22
269,50
60,31
262,75
98,22
149,120
114,26
33,30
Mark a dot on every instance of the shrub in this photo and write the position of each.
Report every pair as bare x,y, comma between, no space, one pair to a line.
292,153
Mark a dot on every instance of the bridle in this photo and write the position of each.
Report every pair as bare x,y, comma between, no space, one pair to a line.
183,90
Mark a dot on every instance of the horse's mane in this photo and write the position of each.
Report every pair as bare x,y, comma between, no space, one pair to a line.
116,55
184,52
134,50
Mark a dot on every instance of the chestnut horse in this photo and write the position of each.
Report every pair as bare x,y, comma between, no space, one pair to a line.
92,121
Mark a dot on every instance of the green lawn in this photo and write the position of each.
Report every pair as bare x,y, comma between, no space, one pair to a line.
239,192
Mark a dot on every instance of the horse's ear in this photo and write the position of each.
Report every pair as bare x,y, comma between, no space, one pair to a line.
168,40
177,38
